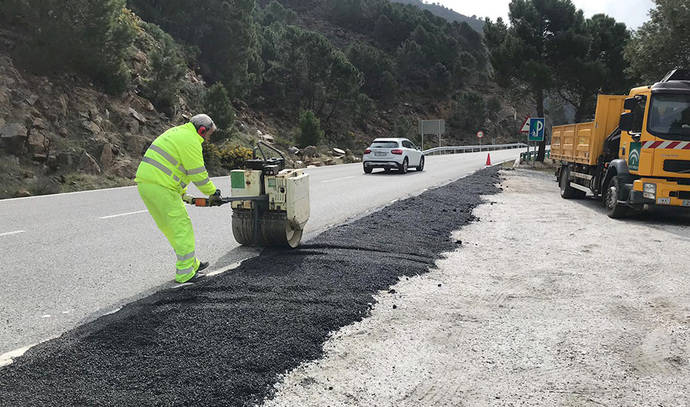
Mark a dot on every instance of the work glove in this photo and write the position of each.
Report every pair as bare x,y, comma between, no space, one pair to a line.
215,199
188,199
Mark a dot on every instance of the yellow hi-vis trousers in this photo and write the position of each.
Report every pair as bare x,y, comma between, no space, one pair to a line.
168,211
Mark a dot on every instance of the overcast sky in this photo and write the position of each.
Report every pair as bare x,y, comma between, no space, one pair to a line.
632,12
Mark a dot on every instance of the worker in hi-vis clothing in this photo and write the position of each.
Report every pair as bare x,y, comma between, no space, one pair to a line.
170,164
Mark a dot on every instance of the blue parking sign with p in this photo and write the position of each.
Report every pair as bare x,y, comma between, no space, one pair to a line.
536,129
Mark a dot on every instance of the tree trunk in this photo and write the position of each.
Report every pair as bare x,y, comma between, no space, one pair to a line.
540,113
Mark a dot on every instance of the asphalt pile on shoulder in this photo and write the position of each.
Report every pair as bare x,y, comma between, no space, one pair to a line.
227,340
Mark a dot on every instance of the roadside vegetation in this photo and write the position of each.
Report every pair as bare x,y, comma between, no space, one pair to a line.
358,69
550,50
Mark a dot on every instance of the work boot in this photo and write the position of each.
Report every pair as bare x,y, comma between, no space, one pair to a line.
198,275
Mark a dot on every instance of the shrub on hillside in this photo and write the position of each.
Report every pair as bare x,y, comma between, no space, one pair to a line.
310,132
219,107
221,159
168,67
90,37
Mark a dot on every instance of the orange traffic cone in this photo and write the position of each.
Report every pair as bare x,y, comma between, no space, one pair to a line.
488,159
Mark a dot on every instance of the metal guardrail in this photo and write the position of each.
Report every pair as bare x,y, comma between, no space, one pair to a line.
532,155
471,149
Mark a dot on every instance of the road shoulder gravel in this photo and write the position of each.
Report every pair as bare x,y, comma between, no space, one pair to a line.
546,302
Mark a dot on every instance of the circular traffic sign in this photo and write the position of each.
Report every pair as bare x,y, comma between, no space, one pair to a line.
480,134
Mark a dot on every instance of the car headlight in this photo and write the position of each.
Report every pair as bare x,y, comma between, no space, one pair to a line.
649,191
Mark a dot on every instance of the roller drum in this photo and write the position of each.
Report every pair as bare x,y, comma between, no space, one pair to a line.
274,229
277,231
243,226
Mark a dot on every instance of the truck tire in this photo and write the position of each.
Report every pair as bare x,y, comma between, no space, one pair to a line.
568,192
614,209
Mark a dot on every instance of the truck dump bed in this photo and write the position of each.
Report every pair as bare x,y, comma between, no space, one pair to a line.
583,143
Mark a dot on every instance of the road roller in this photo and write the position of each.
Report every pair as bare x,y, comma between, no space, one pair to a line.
270,204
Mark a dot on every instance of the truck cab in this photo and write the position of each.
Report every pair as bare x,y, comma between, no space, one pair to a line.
636,152
655,142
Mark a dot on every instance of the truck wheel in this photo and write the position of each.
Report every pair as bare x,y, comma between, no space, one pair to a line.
568,192
614,209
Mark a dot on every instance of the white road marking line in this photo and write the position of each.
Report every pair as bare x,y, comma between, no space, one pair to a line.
46,316
7,358
122,214
211,274
16,232
223,270
336,179
113,311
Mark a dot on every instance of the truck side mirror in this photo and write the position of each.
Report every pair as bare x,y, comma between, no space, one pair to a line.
629,103
626,123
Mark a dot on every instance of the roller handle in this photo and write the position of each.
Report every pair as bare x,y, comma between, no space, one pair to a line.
207,202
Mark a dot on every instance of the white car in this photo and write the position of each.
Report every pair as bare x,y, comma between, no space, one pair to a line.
392,153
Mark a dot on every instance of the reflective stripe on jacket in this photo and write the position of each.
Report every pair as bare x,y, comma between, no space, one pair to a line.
174,160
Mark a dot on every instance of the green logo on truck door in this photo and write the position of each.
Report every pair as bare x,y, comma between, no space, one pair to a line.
634,156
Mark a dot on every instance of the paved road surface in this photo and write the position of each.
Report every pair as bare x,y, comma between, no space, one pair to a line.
70,258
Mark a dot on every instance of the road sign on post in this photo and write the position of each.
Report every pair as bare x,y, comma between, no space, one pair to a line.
480,134
536,129
525,126
435,127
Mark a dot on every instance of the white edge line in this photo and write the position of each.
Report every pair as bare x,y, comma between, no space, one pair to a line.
6,359
337,179
113,311
122,214
16,232
65,193
212,274
214,179
223,270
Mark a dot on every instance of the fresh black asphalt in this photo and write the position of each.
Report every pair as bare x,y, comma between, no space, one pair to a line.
226,341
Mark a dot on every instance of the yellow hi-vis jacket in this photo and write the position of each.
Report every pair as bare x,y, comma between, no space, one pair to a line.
175,159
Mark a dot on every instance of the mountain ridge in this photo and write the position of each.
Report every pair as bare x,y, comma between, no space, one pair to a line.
441,11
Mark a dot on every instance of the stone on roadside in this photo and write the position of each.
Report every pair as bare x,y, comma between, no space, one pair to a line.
91,127
137,115
38,142
88,164
13,138
39,123
309,151
107,157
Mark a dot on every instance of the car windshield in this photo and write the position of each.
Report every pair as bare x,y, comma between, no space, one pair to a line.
384,144
669,116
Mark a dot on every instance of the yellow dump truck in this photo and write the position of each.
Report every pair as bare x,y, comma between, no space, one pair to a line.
636,152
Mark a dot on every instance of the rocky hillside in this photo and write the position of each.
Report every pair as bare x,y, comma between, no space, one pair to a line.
61,134
60,131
